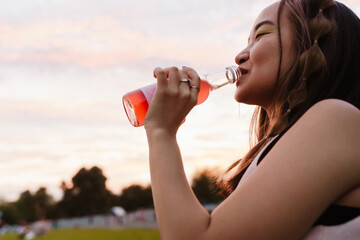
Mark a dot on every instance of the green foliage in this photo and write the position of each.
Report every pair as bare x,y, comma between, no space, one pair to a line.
205,187
87,196
28,208
95,234
135,197
10,213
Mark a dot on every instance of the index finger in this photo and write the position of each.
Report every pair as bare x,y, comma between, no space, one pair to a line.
161,76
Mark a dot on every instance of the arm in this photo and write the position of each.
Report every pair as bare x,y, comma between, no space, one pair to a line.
179,213
314,163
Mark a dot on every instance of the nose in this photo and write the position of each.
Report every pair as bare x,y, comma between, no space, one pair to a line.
242,57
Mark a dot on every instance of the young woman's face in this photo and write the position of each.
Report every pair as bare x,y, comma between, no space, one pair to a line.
259,61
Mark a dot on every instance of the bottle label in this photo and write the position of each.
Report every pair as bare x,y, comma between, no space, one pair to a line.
149,92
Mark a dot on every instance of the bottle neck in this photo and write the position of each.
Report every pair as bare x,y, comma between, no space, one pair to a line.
215,80
221,78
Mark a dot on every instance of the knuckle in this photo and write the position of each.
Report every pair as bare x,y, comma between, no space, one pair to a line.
173,69
185,95
160,72
173,93
183,73
197,78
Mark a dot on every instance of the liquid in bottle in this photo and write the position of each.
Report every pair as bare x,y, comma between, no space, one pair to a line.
136,103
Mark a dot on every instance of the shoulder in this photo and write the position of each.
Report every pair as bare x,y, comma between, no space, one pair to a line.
335,108
313,164
333,123
327,137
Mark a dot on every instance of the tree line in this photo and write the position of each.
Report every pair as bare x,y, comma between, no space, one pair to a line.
88,195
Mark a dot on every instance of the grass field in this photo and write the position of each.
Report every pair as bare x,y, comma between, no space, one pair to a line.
94,234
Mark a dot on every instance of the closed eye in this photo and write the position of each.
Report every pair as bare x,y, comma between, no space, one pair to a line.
260,34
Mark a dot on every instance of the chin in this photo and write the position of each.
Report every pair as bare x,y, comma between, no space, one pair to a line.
240,99
240,95
245,98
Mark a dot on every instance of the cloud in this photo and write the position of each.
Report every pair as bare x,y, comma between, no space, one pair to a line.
90,43
66,64
109,37
36,110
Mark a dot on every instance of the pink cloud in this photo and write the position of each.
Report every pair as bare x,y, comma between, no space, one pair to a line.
97,42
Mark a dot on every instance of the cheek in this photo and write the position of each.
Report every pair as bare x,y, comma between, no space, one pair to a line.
266,53
266,58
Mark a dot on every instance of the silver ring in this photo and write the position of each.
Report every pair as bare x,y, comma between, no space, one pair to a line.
185,80
196,87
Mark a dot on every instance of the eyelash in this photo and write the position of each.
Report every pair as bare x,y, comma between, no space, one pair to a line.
259,35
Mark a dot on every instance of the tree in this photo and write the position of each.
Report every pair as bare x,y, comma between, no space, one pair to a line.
205,187
10,212
29,207
135,197
87,196
26,206
43,202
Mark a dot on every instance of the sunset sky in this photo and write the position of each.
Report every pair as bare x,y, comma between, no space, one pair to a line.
65,65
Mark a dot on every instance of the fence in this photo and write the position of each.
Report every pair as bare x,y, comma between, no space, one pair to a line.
140,218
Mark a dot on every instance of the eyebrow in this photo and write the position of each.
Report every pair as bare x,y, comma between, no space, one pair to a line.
262,23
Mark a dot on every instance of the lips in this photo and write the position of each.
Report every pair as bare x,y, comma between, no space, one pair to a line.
243,73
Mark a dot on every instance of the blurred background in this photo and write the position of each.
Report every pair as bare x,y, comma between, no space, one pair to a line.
65,65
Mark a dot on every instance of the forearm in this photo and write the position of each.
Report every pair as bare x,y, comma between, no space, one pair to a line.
179,213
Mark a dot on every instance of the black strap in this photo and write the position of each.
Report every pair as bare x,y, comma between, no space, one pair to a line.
336,214
270,146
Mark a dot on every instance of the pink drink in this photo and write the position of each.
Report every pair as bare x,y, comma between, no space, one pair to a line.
136,103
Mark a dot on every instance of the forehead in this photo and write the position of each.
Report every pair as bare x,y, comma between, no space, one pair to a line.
269,13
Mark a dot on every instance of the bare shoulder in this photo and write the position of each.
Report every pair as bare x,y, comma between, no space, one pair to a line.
326,138
335,108
335,124
311,166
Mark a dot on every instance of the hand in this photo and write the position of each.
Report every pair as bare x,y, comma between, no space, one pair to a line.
173,99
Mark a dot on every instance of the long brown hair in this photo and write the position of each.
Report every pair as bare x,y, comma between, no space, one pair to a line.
326,38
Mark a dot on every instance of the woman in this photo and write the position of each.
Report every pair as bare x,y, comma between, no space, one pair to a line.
301,68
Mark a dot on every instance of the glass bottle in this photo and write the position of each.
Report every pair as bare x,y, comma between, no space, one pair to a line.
136,103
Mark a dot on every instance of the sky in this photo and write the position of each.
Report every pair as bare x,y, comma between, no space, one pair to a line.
65,65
